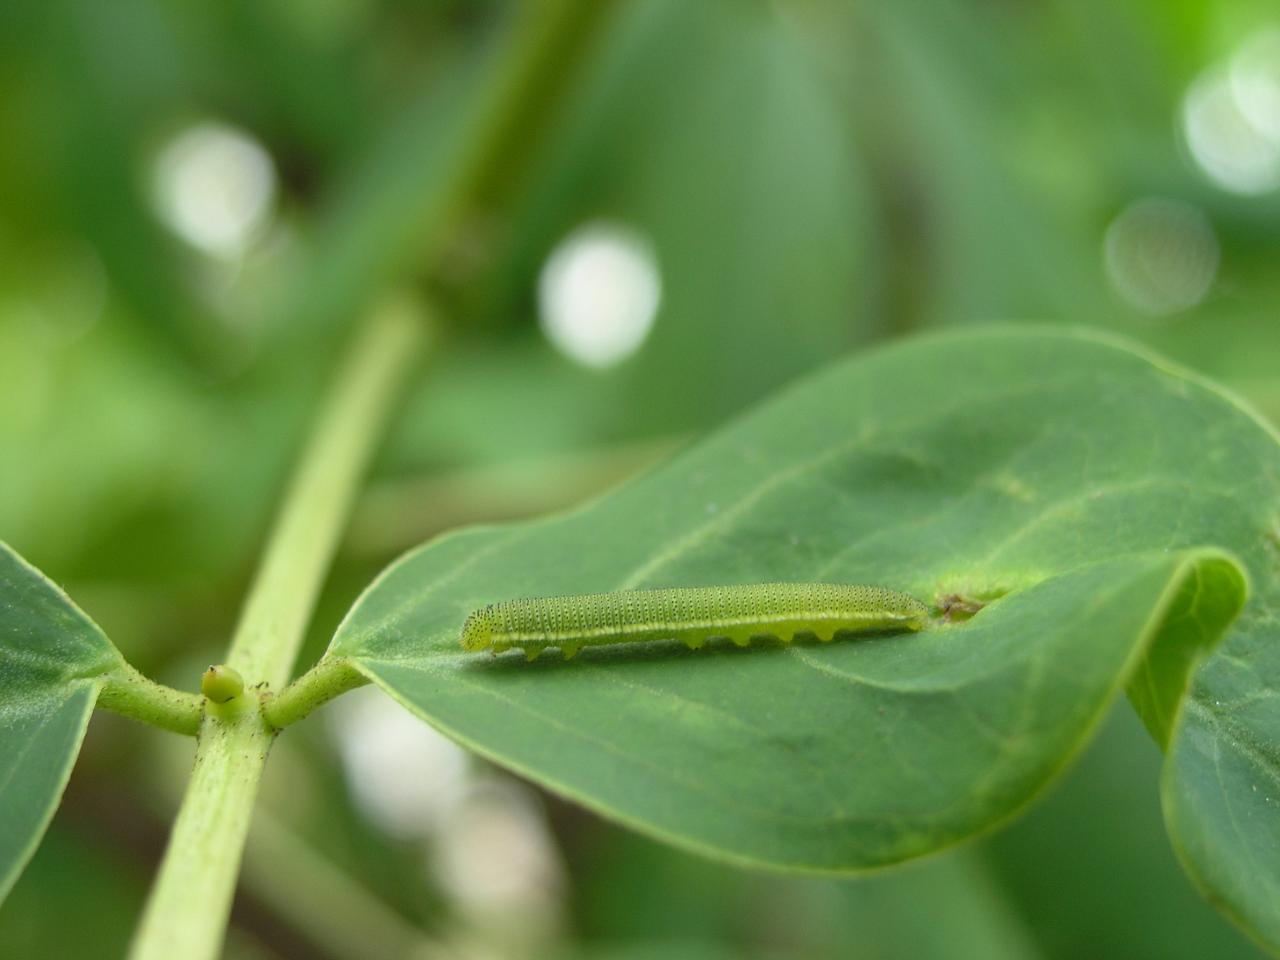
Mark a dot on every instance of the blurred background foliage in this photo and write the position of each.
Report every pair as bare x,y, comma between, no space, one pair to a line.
199,198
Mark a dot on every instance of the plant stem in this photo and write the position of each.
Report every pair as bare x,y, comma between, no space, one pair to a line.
400,225
326,680
129,693
510,121
187,911
275,616
548,39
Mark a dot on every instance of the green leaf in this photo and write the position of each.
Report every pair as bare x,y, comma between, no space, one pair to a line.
52,661
1092,864
1103,505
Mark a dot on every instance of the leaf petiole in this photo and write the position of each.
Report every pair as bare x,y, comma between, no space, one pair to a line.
327,679
128,692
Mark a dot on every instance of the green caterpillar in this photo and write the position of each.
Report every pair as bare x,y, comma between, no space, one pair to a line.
692,615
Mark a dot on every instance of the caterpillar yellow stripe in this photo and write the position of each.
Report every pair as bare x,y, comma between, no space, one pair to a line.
691,615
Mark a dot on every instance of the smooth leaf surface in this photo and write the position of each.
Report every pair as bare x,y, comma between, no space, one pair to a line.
1097,499
52,659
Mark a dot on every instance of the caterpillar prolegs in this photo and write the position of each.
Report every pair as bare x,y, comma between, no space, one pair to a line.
692,615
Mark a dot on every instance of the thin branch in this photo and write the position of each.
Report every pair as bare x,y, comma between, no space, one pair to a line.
186,914
187,911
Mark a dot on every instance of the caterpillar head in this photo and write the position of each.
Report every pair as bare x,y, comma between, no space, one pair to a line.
477,632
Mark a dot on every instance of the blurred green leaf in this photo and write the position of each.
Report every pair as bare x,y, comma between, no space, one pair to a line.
749,187
1090,870
78,898
964,153
948,465
52,658
650,896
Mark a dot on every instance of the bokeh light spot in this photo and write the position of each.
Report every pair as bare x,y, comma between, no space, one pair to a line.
215,187
598,293
1226,143
405,777
1255,81
1161,255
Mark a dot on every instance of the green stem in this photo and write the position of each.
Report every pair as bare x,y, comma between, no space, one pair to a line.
326,680
548,39
130,693
405,226
187,911
273,622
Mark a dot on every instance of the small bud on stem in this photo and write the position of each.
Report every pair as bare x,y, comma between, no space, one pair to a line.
220,684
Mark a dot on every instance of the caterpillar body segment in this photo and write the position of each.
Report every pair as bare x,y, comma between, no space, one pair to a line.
691,615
